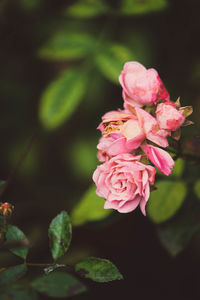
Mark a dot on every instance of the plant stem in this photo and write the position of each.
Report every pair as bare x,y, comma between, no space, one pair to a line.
47,264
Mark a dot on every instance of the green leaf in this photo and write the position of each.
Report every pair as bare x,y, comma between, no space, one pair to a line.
68,45
61,98
166,200
111,59
14,234
83,162
98,269
90,208
134,7
18,292
197,188
12,274
178,168
58,284
60,234
87,9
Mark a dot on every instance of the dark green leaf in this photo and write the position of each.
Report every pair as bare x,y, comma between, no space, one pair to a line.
132,7
111,59
68,45
98,269
18,292
176,234
61,98
90,208
166,200
87,9
12,274
58,284
14,234
2,182
60,234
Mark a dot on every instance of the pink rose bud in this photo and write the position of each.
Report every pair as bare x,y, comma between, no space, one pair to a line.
141,86
160,158
169,117
124,182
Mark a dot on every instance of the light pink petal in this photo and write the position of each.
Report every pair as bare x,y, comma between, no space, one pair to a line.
129,206
160,158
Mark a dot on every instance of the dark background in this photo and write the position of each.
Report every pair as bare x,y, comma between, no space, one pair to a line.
52,179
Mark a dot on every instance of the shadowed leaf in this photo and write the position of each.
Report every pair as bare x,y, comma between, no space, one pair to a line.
15,234
58,285
18,292
98,269
12,274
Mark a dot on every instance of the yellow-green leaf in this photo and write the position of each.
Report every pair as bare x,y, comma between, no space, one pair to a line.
90,208
61,98
166,200
134,7
87,9
68,45
111,59
197,188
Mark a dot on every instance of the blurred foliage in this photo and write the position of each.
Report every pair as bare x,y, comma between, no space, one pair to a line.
60,63
90,208
166,200
131,7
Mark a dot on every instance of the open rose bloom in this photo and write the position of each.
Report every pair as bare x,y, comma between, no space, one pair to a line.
124,182
138,132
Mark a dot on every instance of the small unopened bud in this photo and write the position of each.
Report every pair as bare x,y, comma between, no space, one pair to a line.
6,209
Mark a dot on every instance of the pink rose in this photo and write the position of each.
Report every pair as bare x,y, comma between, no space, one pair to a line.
121,132
124,182
141,86
169,117
160,158
124,132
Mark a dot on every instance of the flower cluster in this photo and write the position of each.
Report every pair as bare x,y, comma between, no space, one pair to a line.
133,137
